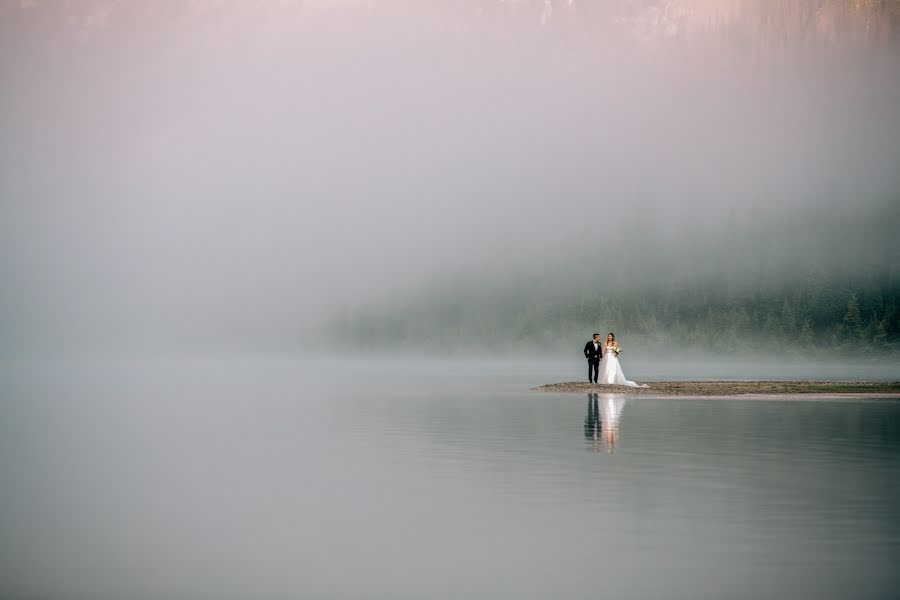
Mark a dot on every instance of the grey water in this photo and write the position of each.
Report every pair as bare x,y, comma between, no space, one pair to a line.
293,478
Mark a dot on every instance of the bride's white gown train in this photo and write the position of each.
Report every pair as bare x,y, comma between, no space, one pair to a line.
611,371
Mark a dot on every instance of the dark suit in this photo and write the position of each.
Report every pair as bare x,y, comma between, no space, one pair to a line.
592,424
593,356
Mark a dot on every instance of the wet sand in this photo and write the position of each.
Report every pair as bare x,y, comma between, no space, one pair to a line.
733,388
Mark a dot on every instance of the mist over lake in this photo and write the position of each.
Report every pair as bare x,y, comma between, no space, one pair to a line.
271,177
284,283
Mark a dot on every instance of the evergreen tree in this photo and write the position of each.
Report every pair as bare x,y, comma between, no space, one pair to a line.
806,335
773,327
879,333
852,324
787,320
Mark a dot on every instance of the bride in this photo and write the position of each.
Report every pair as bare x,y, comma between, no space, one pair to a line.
610,369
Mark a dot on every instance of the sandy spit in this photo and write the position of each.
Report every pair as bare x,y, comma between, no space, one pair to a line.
732,388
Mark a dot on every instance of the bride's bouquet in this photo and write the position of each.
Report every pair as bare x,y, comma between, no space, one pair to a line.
617,349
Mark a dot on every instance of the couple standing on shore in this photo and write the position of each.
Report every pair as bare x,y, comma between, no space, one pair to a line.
603,362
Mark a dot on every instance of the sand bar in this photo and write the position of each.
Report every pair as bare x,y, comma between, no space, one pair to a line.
733,388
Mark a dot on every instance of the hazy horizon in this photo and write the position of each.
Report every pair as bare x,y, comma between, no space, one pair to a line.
220,176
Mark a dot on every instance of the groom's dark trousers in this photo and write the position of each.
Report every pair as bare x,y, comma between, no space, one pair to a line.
593,356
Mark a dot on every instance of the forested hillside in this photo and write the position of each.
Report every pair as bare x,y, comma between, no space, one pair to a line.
803,286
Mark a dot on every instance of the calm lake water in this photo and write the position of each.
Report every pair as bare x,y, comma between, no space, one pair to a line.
437,479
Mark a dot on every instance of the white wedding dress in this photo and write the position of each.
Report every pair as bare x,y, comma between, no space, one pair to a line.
611,370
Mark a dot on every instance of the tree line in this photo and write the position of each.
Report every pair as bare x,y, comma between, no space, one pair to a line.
803,285
811,317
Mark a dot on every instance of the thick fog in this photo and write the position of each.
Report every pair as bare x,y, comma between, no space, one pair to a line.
217,176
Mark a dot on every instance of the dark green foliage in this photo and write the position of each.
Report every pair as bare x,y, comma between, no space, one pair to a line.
807,281
804,315
703,318
852,324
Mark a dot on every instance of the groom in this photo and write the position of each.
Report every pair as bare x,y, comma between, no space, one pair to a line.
593,352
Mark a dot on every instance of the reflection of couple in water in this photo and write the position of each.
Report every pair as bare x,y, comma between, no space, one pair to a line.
602,420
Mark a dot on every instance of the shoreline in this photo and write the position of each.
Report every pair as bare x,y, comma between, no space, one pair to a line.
838,389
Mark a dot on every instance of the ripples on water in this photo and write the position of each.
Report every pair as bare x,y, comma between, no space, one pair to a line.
269,482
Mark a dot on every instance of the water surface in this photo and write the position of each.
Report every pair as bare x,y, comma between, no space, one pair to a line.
277,479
